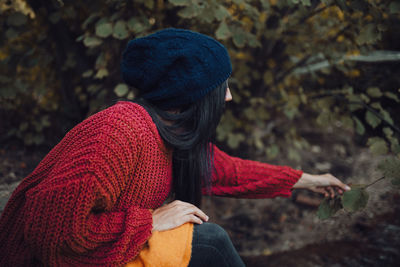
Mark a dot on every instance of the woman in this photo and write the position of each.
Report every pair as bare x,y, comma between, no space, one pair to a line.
97,198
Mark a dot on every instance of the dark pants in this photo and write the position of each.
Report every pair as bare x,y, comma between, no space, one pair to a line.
211,246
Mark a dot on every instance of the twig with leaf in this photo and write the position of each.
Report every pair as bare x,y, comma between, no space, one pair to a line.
357,198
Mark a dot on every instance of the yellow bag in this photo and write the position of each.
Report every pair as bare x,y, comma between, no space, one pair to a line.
166,248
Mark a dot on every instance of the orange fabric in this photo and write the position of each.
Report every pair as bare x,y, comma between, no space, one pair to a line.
167,248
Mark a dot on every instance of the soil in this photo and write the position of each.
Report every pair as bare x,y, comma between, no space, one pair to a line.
286,231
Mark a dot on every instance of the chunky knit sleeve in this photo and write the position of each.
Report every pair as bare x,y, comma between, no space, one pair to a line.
73,218
236,177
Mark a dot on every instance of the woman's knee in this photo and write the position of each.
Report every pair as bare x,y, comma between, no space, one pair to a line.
212,247
214,235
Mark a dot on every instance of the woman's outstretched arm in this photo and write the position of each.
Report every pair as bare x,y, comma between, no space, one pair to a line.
236,177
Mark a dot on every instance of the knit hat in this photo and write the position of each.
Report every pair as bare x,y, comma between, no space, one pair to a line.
174,67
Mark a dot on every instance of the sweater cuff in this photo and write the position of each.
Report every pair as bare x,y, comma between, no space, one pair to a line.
292,177
141,220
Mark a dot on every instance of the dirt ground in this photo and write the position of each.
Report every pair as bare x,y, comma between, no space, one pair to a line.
268,232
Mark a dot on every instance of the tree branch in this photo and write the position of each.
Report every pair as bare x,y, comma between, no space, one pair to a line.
290,70
383,177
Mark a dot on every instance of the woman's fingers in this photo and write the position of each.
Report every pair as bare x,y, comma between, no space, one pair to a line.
327,184
175,214
199,213
331,191
336,182
192,218
196,211
320,190
326,191
188,208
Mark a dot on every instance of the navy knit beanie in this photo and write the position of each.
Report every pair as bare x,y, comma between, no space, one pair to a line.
174,67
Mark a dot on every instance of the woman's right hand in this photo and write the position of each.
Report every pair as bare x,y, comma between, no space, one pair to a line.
175,214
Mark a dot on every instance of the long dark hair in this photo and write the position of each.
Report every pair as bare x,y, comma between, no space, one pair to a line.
190,133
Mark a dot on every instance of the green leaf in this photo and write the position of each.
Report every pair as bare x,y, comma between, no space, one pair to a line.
368,35
80,38
291,112
149,4
372,119
388,132
355,199
38,139
386,116
121,89
93,88
120,31
223,31
306,2
136,26
392,96
45,121
239,37
374,92
221,13
207,15
356,102
234,140
16,19
347,122
253,41
130,95
91,41
104,30
293,154
249,113
324,118
272,151
360,129
377,146
87,74
180,2
89,20
190,11
365,98
101,73
268,77
328,208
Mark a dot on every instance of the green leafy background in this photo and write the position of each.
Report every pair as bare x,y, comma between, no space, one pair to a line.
297,63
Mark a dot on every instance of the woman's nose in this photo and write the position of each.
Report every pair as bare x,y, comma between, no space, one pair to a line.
228,96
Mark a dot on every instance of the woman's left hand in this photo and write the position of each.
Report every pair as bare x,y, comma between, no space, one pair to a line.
323,183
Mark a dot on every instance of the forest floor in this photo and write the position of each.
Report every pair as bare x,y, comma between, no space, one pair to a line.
286,231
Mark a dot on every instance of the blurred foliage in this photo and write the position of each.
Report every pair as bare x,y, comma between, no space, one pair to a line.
390,167
298,64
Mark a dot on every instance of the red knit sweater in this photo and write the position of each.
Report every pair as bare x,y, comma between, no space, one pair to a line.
87,202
